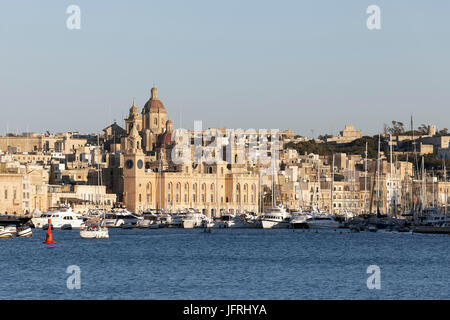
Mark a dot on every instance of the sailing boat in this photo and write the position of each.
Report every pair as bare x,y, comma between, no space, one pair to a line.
93,228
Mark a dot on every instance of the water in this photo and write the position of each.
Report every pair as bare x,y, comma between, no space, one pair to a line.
226,264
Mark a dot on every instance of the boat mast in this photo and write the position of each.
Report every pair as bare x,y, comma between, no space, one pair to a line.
273,191
160,186
391,184
378,176
318,183
432,187
423,184
406,195
352,185
332,187
261,198
445,190
365,181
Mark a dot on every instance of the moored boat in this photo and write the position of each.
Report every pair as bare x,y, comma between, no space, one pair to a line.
5,233
276,218
25,232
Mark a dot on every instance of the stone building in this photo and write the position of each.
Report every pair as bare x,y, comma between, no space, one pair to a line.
152,180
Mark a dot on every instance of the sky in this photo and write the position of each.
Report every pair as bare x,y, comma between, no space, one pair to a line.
310,66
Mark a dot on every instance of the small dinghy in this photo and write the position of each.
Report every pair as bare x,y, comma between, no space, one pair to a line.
24,232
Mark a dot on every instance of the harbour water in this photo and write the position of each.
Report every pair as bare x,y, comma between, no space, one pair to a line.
226,264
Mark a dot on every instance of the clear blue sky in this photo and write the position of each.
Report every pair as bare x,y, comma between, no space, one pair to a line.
303,65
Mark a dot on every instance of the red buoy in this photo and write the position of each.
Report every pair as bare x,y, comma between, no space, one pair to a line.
49,237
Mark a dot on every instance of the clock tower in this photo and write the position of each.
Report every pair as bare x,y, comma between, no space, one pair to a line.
134,172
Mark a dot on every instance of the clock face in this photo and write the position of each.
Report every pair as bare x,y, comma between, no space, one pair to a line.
129,164
140,164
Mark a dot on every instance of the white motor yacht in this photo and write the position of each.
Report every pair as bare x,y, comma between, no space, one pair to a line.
322,220
176,221
121,218
298,220
150,220
192,219
276,218
62,218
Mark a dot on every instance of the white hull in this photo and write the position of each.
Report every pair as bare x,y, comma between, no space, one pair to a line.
25,233
11,229
5,235
269,224
189,224
39,223
240,224
94,234
192,221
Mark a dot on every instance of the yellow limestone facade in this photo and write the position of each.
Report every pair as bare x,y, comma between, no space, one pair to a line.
153,181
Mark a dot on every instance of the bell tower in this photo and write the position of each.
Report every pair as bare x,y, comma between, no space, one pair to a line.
134,119
134,172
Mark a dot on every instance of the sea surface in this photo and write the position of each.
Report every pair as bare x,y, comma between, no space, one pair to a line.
226,264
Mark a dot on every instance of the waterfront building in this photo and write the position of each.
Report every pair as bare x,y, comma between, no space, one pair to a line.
151,179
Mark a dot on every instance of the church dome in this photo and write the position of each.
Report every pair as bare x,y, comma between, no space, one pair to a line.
154,104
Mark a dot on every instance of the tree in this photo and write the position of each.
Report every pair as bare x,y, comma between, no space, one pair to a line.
443,132
325,137
397,128
423,129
